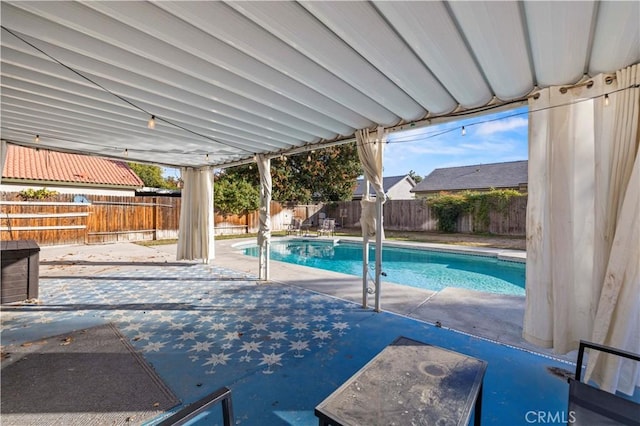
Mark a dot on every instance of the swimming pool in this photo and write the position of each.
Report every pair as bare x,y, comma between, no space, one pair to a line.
428,269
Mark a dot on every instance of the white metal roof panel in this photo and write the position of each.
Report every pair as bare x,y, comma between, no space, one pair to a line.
230,79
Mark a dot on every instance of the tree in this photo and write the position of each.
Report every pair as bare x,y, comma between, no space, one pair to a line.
416,177
327,174
234,196
151,176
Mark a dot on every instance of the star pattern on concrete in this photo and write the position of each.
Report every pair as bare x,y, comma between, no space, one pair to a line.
212,318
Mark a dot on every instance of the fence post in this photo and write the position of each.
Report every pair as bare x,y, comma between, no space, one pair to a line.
89,208
155,217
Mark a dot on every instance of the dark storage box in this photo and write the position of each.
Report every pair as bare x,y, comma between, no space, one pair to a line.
20,270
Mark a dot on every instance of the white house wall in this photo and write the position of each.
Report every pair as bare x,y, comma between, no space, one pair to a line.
401,191
70,190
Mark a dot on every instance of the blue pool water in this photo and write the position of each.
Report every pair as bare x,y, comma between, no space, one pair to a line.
431,270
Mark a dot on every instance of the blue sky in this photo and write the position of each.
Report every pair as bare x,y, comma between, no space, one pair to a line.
492,138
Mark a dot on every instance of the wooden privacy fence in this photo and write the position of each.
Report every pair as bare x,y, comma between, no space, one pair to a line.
103,219
112,218
107,219
415,215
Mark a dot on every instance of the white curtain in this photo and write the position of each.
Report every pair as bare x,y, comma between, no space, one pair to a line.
370,149
370,152
582,222
196,233
264,233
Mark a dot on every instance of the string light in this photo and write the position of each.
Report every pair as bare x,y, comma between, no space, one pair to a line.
126,152
206,158
37,138
464,131
606,99
151,124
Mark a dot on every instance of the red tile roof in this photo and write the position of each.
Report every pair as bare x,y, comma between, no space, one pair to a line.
32,164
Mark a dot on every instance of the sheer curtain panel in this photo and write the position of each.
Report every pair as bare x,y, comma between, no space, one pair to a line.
583,239
196,234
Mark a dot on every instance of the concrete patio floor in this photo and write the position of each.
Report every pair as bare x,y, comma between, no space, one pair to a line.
281,347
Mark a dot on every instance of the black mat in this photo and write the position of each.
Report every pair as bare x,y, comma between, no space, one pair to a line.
88,377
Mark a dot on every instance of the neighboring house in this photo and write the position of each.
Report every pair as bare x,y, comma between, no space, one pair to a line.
29,168
479,177
395,187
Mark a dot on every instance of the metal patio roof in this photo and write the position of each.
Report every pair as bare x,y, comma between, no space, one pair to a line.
226,80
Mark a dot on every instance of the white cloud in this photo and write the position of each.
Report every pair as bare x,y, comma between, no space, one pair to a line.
489,146
509,124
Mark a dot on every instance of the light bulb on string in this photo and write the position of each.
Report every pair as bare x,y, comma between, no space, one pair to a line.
37,139
151,124
464,131
126,152
606,99
206,158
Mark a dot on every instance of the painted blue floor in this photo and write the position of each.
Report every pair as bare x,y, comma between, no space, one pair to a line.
280,349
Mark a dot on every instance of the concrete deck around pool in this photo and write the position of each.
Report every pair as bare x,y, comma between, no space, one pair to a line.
491,316
281,347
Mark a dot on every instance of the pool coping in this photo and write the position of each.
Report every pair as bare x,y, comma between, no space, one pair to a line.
508,255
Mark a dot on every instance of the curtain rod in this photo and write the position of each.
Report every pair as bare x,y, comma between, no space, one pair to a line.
588,83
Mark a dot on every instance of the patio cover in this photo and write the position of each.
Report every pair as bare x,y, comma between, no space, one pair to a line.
228,80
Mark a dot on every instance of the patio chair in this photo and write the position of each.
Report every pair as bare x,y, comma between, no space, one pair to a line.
328,227
589,405
295,226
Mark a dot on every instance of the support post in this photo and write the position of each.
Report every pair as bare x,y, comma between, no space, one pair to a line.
267,245
264,233
380,199
365,255
378,251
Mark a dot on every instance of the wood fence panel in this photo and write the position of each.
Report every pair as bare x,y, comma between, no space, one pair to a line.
114,218
234,224
415,215
45,222
167,216
407,215
511,221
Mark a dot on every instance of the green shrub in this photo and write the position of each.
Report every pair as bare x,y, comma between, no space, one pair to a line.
36,194
448,207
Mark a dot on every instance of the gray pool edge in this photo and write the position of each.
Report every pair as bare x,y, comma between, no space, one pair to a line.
509,255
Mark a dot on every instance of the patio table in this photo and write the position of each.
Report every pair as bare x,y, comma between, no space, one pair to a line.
409,382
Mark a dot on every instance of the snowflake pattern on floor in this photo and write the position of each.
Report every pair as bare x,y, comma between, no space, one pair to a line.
211,317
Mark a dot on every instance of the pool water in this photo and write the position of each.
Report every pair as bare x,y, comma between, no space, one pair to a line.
427,269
